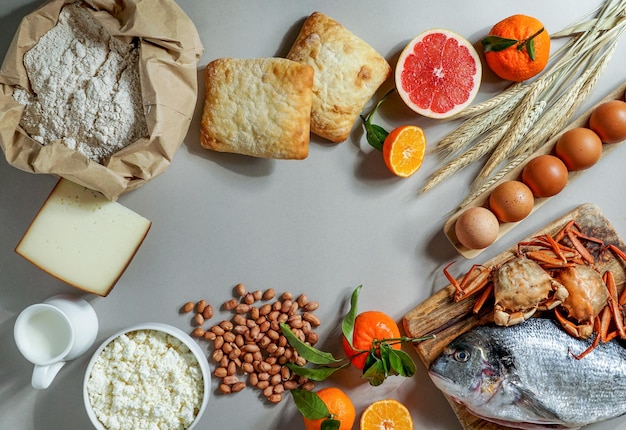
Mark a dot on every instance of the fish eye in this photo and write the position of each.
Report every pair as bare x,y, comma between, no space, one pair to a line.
461,356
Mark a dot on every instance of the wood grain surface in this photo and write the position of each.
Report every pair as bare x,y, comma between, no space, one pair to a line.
446,319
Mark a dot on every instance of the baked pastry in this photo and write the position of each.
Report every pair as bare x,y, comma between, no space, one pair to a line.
259,107
348,72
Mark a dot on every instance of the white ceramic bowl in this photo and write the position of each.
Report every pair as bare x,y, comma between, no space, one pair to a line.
170,330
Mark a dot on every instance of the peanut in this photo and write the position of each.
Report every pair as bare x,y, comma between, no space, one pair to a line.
275,398
230,304
248,298
207,313
187,307
313,319
198,319
200,306
198,332
220,372
238,386
302,300
240,289
242,308
269,294
311,306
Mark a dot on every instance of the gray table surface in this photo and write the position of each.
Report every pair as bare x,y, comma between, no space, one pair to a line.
320,226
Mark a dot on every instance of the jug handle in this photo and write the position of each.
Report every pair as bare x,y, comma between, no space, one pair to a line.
44,375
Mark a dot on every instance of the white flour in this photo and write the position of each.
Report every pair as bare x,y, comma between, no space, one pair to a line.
85,88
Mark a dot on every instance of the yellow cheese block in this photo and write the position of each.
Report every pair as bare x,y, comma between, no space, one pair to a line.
82,238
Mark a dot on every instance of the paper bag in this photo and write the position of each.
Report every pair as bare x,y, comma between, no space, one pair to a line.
170,49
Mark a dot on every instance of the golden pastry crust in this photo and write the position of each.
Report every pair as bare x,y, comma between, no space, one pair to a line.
259,107
348,72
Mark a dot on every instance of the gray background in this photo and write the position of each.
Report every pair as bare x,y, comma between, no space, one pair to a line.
320,226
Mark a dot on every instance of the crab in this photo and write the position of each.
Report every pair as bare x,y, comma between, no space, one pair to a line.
520,287
552,273
588,296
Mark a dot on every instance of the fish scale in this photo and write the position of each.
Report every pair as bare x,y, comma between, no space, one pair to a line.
525,376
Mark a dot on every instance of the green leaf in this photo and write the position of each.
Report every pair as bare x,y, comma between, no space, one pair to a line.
347,325
315,373
401,363
330,424
497,43
311,354
375,134
375,373
309,404
530,48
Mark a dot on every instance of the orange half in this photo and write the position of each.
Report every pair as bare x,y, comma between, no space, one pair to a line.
404,149
386,414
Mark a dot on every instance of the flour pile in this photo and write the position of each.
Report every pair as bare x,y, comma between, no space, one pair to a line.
85,88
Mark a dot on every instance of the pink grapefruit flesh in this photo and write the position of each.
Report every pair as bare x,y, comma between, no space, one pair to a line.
438,73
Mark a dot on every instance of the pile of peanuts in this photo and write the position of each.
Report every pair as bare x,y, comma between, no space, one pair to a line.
251,343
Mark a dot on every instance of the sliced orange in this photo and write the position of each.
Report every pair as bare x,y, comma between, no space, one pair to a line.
404,149
388,414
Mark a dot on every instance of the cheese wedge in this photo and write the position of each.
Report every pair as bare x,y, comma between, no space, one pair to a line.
82,238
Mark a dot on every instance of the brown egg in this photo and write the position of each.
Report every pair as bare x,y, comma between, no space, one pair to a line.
545,175
579,148
608,120
511,201
476,228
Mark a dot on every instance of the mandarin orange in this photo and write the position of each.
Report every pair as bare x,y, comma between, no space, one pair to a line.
388,414
370,327
525,54
404,149
340,407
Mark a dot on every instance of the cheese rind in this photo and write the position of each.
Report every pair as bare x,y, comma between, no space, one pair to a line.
82,238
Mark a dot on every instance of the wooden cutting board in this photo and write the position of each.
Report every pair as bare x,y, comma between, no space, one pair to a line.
441,316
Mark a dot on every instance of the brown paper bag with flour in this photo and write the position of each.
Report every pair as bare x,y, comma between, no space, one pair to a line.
170,49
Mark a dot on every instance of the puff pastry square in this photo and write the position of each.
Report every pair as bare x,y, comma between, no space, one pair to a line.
259,107
348,72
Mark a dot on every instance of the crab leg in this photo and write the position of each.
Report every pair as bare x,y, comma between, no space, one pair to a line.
482,299
597,323
468,285
615,305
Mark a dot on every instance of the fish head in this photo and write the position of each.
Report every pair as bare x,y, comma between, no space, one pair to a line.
467,371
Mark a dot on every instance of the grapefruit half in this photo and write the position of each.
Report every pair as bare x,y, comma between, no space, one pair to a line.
438,73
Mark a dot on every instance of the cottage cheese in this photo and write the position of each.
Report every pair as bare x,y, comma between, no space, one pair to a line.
146,379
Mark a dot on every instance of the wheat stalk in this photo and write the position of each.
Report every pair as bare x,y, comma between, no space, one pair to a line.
473,128
474,153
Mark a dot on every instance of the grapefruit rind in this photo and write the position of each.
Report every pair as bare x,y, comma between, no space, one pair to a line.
417,95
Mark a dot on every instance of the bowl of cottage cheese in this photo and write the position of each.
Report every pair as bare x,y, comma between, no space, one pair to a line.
151,375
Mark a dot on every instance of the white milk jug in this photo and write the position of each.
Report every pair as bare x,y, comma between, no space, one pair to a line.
50,333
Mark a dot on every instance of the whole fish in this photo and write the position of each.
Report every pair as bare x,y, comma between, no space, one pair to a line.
525,376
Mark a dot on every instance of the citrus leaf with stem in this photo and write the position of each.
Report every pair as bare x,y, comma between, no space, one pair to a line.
309,404
330,424
374,133
375,372
347,324
401,363
319,373
306,351
497,43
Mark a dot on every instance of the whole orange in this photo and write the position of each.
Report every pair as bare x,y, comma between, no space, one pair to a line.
370,326
340,407
516,62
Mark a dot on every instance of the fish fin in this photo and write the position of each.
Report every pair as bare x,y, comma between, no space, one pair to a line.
529,401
